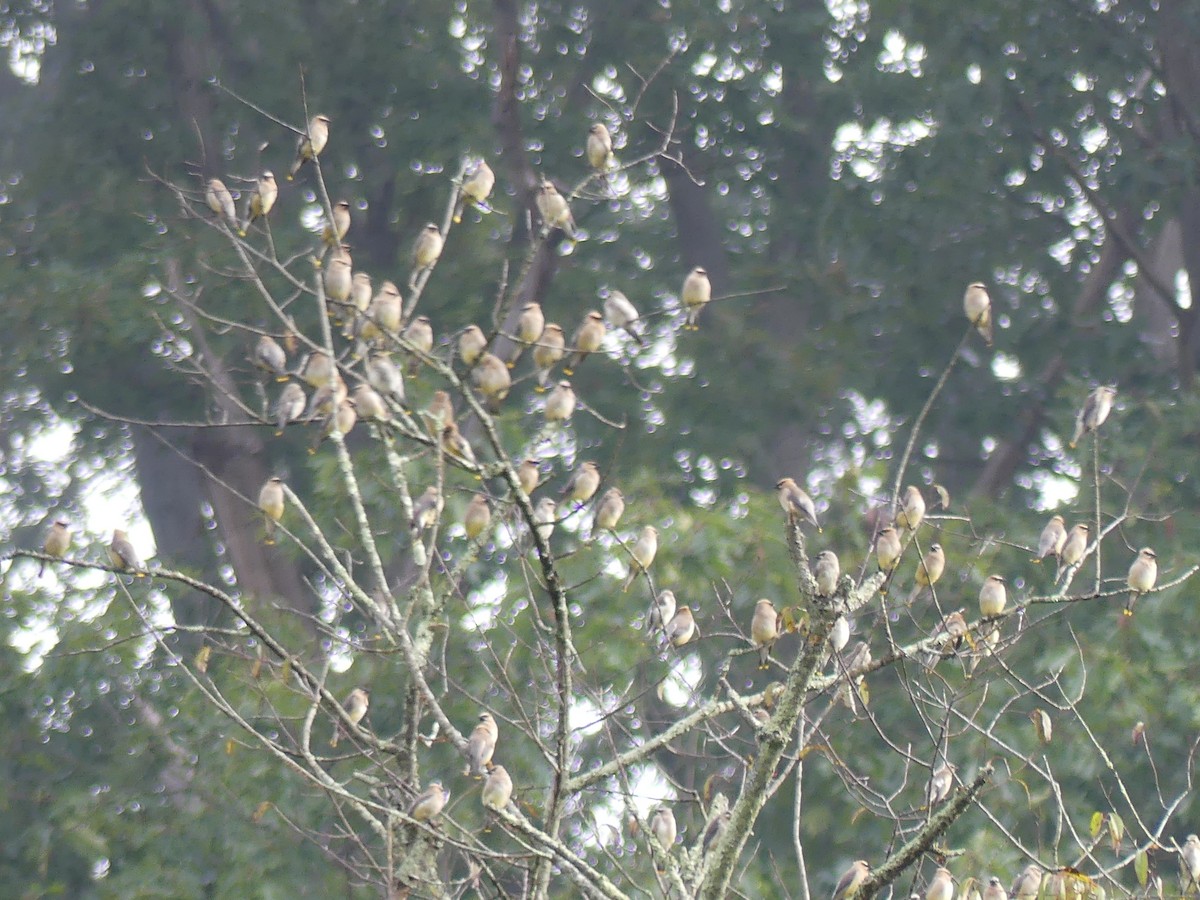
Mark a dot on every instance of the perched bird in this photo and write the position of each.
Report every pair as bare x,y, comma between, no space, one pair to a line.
326,398
1074,548
419,334
530,325
383,314
369,405
1189,866
491,378
385,377
339,226
426,250
548,352
984,647
271,502
355,705
477,517
1052,539
481,745
1142,575
764,630
600,148
471,344
587,339
887,549
428,804
993,596
912,509
560,405
978,307
609,510
122,555
545,517
528,475
440,411
220,201
342,420
643,551
583,484
941,887
259,200
796,502
696,293
940,784
714,832
662,826
477,185
427,509
1028,884
456,446
620,313
826,571
361,295
946,637
994,890
310,144
851,880
57,542
682,627
853,689
662,610
1095,411
318,369
929,570
290,405
839,635
497,790
268,355
338,279
554,211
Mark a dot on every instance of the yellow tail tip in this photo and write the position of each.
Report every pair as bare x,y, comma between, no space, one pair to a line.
242,233
1127,612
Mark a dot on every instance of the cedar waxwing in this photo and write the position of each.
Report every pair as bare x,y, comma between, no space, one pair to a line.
361,295
609,510
697,291
355,704
978,307
1054,887
1189,866
993,596
122,555
426,250
477,517
1142,575
429,804
497,790
440,411
327,397
419,333
764,630
259,200
456,446
853,689
1028,884
662,610
1043,727
682,627
334,233
946,637
548,352
643,551
270,501
826,571
994,890
338,280
530,325
620,313
714,832
929,570
478,181
1095,411
796,502
587,339
342,420
544,517
383,314
599,148
887,550
481,745
1073,549
318,369
555,211
528,475
940,784
57,542
471,344
310,144
427,509
290,405
1052,539
941,887
491,379
369,405
839,635
268,355
560,405
912,509
383,375
662,826
220,201
582,486
851,881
